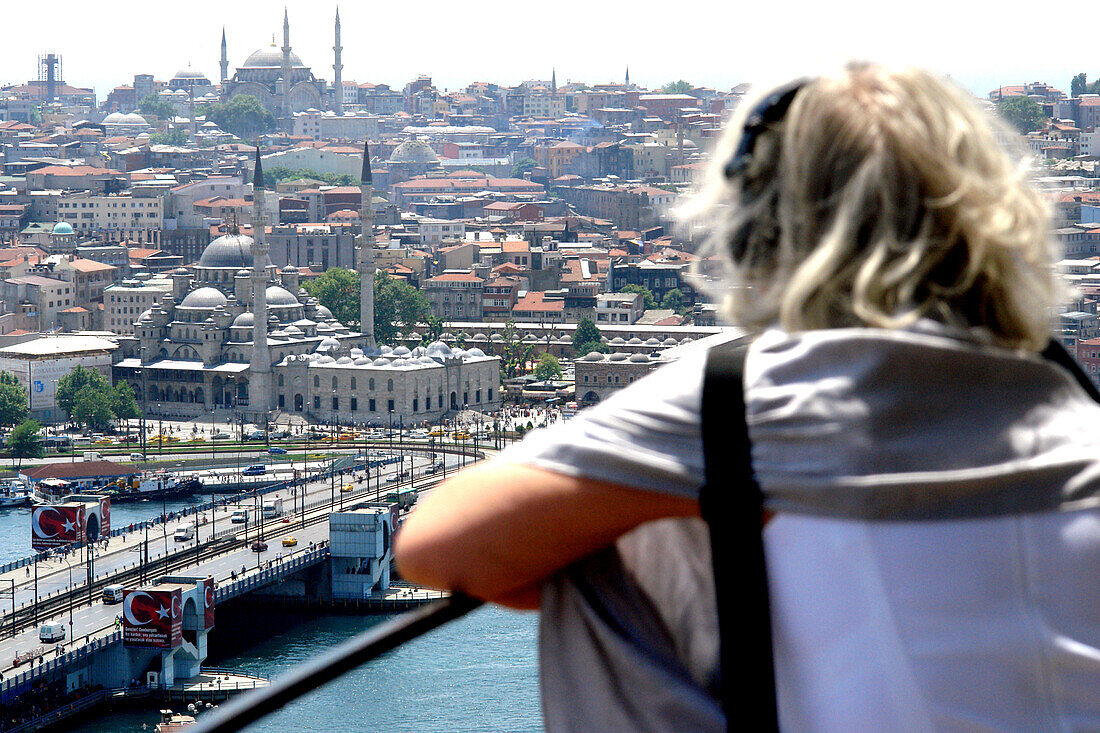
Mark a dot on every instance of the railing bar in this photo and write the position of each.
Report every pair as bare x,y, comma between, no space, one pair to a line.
359,650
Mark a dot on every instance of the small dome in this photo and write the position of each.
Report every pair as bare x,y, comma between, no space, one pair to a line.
326,359
63,227
652,342
324,313
244,320
617,341
593,356
475,352
427,360
618,356
480,337
400,362
401,351
669,341
280,297
344,360
438,348
328,344
414,151
190,73
289,268
207,298
361,361
635,341
381,362
639,358
115,118
293,330
243,273
413,335
385,349
496,338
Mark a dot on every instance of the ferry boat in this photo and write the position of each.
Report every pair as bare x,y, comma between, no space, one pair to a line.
14,492
171,722
155,485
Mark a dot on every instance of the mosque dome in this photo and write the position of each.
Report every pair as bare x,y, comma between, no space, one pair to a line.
190,74
244,320
269,57
115,118
476,352
328,344
206,298
62,227
414,151
323,313
592,356
230,250
638,358
280,297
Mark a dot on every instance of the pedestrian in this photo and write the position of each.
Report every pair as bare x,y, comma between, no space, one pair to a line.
925,452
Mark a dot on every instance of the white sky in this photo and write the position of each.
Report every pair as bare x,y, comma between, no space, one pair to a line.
105,44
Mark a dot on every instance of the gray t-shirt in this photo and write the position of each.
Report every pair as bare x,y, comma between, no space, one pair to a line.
846,424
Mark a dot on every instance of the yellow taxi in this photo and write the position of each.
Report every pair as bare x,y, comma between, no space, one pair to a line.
460,435
436,433
290,542
345,489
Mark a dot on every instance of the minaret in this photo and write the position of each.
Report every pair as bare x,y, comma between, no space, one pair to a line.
225,59
338,72
286,63
553,80
365,259
627,82
259,382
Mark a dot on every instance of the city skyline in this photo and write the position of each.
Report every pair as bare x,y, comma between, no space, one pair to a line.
582,42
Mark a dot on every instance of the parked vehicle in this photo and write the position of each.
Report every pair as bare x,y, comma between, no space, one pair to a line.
255,435
113,593
220,436
51,632
256,469
136,457
276,451
259,546
91,455
273,508
239,517
290,542
184,532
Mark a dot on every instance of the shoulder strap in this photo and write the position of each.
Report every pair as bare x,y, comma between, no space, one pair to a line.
1056,353
732,505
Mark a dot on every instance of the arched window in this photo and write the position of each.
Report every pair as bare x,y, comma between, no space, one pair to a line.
389,385
316,381
370,384
353,384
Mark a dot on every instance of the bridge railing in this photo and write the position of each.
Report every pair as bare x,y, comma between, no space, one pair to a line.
13,685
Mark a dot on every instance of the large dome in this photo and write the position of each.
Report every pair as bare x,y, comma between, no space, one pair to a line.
62,227
269,57
414,151
190,73
230,250
207,298
280,296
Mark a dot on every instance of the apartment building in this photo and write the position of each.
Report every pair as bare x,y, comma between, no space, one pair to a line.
454,296
124,303
122,214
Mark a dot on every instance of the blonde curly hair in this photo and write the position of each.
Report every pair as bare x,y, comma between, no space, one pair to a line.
881,197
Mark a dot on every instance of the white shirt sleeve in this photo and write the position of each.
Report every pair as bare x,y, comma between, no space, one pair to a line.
646,436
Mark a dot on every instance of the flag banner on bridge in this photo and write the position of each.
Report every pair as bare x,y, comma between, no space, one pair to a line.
57,525
208,601
152,618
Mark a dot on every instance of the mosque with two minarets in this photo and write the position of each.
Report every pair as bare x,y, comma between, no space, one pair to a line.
239,334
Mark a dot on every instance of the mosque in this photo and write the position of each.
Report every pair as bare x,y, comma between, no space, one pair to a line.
278,78
239,335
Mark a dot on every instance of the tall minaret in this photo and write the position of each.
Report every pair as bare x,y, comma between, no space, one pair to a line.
259,387
286,63
225,59
627,82
338,72
553,80
365,259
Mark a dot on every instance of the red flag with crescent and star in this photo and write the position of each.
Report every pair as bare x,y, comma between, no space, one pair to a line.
208,587
56,525
152,618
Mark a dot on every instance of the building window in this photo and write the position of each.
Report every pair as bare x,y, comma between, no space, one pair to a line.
490,394
389,385
316,381
389,405
427,402
334,383
353,386
465,398
371,407
477,396
335,403
370,384
416,405
354,404
316,402
282,401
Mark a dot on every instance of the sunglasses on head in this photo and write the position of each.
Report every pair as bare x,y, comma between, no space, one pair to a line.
767,111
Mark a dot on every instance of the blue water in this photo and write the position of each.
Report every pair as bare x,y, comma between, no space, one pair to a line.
476,674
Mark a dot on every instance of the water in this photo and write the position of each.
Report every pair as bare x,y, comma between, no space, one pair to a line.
476,674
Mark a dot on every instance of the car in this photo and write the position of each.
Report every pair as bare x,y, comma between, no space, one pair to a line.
136,457
276,451
280,435
51,632
418,435
345,488
392,479
220,436
436,433
259,546
256,469
460,435
290,542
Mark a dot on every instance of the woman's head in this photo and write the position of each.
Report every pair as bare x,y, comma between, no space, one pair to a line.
878,197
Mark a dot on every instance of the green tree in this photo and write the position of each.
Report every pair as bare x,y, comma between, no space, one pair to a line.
523,166
648,301
153,106
76,380
1023,113
24,442
1078,85
677,87
398,306
282,173
122,402
674,300
516,353
13,400
338,290
434,330
586,339
92,409
175,136
548,367
242,115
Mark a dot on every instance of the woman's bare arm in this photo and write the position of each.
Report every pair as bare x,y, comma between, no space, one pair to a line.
497,530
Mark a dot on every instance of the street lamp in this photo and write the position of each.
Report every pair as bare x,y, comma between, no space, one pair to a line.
72,592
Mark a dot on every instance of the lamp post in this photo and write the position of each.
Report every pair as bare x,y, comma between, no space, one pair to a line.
72,592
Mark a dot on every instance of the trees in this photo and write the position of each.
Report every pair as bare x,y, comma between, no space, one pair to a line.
242,115
1023,113
282,173
13,400
92,409
548,367
1078,85
674,300
338,290
677,87
398,306
70,385
122,402
586,339
515,353
24,441
175,136
648,301
153,105
523,166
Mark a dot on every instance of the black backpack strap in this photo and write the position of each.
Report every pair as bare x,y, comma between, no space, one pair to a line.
1056,353
732,505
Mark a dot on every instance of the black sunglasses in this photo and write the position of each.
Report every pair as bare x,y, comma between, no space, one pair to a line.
767,111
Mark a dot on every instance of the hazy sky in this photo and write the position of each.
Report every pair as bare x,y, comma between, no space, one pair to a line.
105,44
